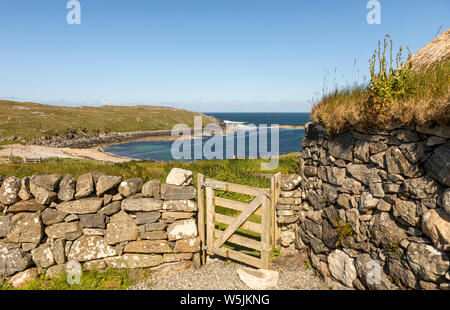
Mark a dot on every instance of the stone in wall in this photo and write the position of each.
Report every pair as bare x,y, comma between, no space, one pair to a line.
106,183
25,227
12,259
174,192
182,229
26,206
398,164
142,204
444,201
43,196
43,255
93,220
148,246
290,182
371,273
180,177
48,182
81,206
130,186
66,231
133,261
67,188
85,186
342,267
406,210
180,205
427,262
342,146
190,245
147,217
52,216
438,165
24,192
89,248
111,208
152,189
9,191
436,225
23,277
4,225
121,228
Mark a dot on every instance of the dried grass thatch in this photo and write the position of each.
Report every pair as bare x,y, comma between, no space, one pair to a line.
434,52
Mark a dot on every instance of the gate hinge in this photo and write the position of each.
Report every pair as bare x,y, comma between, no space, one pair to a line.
212,186
214,250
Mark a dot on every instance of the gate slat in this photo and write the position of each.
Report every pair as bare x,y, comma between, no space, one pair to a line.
250,260
243,241
238,188
225,219
235,205
239,220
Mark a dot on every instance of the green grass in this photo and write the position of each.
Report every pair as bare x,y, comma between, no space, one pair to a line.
343,230
109,279
29,120
395,94
241,171
307,265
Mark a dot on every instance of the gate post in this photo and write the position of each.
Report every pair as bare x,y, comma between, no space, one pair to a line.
275,190
266,233
210,219
201,214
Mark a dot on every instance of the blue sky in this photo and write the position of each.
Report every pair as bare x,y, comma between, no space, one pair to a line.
204,55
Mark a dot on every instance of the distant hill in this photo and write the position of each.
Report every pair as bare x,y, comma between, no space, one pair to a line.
27,120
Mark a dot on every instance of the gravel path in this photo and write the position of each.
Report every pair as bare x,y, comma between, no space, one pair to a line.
222,275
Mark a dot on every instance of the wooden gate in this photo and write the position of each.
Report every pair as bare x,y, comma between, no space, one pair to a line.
245,232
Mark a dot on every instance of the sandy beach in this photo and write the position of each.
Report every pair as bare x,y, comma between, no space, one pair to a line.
44,152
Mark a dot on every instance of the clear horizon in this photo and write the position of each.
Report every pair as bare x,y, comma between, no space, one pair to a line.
221,56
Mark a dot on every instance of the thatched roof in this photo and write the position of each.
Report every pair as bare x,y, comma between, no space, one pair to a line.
434,52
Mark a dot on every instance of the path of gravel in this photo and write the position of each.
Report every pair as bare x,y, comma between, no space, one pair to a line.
221,275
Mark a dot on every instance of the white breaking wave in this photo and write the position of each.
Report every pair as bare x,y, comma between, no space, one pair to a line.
232,122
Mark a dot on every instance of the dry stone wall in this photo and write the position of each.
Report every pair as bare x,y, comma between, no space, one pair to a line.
373,205
99,221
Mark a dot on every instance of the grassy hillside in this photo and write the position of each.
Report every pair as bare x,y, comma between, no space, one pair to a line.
414,92
29,120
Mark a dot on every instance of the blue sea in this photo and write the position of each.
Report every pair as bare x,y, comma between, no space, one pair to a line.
289,139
